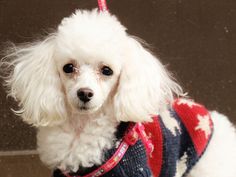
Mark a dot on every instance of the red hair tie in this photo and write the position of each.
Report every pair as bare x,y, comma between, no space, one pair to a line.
102,5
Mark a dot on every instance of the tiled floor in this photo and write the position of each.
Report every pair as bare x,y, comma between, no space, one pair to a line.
22,166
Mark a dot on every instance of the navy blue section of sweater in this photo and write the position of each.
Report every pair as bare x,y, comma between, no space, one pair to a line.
175,147
170,151
133,164
187,148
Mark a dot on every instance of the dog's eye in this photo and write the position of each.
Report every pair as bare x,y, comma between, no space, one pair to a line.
68,68
106,71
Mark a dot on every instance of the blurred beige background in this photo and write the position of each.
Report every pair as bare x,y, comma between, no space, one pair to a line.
196,39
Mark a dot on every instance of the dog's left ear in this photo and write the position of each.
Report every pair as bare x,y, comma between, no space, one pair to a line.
144,85
34,82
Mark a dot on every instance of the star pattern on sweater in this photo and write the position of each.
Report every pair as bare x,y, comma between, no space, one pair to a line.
187,102
181,165
204,124
171,123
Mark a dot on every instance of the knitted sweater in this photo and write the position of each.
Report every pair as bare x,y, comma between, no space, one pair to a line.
177,146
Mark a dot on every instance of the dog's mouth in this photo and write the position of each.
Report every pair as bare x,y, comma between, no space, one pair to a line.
87,109
84,108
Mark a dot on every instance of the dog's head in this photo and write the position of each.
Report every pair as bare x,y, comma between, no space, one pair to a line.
89,64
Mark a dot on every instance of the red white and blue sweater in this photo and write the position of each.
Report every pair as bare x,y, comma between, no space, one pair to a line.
173,153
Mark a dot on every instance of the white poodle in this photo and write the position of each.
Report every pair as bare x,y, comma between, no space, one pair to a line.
83,86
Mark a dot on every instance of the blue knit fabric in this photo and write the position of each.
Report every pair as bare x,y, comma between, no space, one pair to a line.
133,164
174,147
135,161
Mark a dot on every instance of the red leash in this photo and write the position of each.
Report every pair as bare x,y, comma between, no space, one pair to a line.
133,134
102,4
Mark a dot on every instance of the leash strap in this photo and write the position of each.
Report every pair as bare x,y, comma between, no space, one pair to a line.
134,132
111,163
140,129
102,4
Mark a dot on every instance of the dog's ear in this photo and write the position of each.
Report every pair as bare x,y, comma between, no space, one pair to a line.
144,85
33,81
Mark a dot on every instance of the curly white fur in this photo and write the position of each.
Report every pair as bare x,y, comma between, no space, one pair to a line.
72,133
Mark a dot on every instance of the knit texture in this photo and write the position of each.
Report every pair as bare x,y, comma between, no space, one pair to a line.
177,147
176,152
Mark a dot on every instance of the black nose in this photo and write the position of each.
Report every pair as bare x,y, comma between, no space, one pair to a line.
85,94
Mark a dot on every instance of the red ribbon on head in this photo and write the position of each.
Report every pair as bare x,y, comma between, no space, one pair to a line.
102,5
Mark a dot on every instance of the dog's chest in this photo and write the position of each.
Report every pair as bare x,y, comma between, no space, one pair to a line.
63,147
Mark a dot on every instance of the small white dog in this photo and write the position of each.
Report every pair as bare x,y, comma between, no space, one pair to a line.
82,81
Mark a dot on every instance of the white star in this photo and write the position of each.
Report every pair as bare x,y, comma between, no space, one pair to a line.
188,102
181,166
170,122
204,124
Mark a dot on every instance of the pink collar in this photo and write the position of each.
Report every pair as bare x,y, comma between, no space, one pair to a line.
132,135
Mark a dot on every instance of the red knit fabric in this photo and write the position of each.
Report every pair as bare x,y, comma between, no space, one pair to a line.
189,113
153,130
